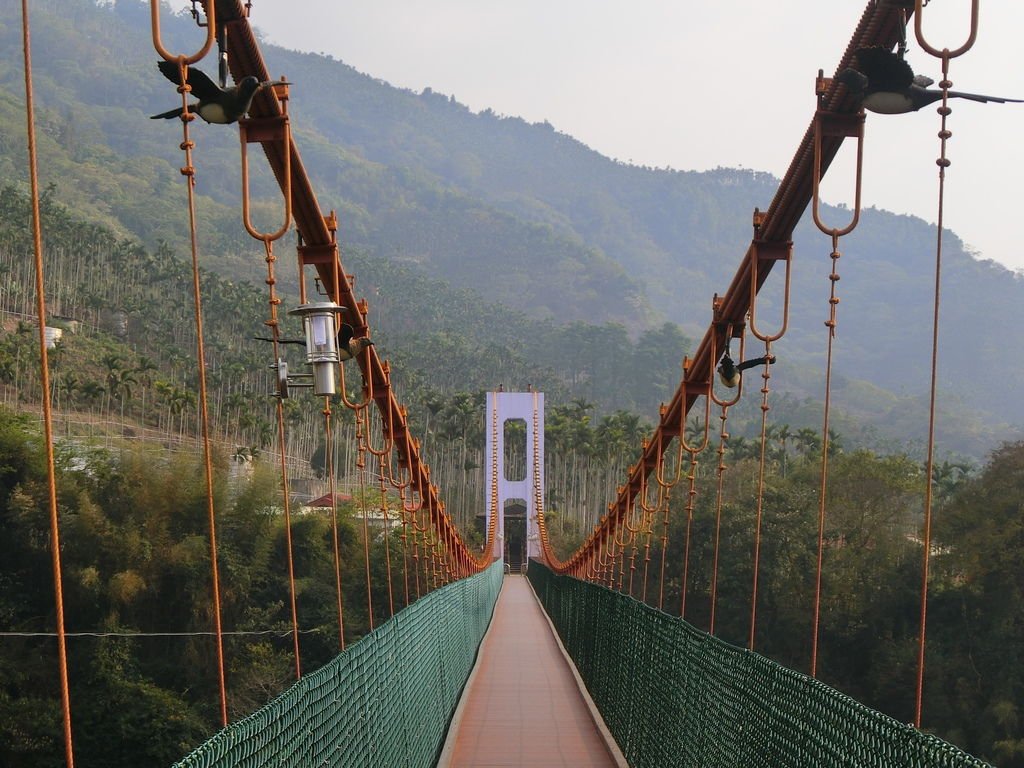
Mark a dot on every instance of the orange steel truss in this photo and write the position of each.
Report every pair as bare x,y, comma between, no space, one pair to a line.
880,25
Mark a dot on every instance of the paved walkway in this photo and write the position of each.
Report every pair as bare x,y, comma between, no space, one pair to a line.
522,706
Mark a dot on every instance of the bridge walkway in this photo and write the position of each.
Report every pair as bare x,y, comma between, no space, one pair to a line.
523,705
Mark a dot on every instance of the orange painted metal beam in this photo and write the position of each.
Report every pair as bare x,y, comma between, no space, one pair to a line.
773,229
319,248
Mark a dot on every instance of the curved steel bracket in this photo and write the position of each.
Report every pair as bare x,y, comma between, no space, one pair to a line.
945,53
842,125
211,25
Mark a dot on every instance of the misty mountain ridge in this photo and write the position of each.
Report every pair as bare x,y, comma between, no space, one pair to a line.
517,212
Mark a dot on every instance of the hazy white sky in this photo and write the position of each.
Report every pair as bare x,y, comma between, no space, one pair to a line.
695,85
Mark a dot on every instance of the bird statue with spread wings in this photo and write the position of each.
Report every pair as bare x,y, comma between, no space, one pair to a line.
886,84
348,347
729,370
216,105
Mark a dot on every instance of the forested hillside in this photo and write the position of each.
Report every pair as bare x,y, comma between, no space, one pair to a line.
126,362
519,213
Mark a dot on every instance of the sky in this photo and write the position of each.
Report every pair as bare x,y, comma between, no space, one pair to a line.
697,85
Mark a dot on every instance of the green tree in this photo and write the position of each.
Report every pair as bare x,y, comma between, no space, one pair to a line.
976,620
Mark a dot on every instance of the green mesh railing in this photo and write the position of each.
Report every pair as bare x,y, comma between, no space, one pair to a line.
383,703
672,695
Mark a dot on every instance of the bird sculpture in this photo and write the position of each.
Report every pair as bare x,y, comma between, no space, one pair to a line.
348,347
886,84
216,105
729,371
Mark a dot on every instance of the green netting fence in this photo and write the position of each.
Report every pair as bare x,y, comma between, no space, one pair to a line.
383,703
672,695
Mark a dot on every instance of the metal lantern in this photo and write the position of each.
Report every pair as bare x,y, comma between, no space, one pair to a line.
321,342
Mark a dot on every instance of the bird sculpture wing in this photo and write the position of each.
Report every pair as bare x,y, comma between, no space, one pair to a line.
982,98
345,335
281,341
755,361
885,70
203,88
854,81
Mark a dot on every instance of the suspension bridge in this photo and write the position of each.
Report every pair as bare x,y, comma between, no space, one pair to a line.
570,662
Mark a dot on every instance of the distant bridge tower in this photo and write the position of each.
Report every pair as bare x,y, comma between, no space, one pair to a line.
503,407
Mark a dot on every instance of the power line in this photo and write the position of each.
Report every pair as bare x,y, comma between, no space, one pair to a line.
262,632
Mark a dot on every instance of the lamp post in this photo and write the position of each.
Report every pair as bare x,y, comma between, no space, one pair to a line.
321,342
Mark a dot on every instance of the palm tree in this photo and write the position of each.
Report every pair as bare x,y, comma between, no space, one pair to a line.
948,476
181,401
808,440
144,368
739,447
119,385
69,384
91,391
783,435
835,443
264,433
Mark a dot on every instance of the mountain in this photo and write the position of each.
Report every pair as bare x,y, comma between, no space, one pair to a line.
519,214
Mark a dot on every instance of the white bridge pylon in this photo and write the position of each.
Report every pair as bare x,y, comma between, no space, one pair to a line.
510,406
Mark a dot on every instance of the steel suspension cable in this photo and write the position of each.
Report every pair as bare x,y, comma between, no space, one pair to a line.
360,469
332,471
663,505
637,504
825,439
723,439
667,513
387,548
204,419
759,512
281,133
286,503
945,54
620,544
667,487
492,521
404,486
766,374
691,496
827,124
188,171
44,373
647,525
416,546
409,513
538,493
648,532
